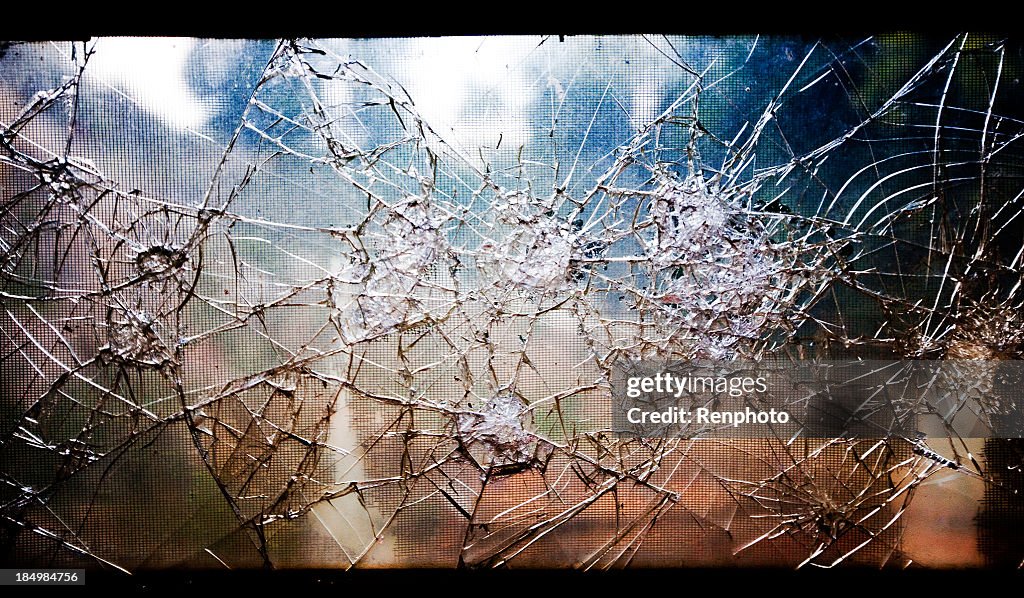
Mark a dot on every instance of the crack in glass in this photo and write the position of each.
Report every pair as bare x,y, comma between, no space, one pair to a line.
340,334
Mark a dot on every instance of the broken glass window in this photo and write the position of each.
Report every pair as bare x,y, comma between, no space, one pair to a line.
356,303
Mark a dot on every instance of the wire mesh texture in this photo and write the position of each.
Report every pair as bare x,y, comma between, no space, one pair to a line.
356,303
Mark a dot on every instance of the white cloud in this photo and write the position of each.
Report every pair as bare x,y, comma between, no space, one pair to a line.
446,73
152,73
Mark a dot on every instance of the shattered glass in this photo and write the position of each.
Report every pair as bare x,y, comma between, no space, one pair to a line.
356,303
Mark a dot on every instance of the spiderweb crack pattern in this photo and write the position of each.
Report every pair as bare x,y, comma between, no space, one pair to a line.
365,341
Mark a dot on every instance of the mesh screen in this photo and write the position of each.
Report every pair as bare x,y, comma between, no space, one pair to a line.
355,303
